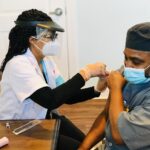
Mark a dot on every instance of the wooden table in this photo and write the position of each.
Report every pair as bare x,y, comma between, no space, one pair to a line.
41,137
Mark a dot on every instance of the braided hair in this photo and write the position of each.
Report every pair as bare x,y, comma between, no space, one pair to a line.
19,35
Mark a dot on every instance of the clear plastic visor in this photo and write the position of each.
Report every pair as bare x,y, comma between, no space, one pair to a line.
45,33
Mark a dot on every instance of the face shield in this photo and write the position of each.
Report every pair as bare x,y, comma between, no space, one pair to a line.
44,29
45,33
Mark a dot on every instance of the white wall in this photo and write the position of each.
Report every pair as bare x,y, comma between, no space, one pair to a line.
9,12
97,29
102,26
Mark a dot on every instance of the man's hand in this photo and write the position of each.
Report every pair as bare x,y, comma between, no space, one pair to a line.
101,84
115,80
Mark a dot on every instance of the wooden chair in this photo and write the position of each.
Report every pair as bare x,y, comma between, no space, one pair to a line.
99,146
0,75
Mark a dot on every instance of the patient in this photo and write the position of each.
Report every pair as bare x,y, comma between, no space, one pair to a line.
125,121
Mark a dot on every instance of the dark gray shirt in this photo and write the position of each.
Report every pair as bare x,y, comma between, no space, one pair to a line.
134,125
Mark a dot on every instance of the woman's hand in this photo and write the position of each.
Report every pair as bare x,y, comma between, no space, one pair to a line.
94,70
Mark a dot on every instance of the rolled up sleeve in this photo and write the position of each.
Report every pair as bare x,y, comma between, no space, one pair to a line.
134,127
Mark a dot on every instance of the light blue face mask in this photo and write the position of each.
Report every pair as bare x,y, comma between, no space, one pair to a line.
135,76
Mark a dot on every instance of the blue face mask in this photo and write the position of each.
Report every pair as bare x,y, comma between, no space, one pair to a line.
135,76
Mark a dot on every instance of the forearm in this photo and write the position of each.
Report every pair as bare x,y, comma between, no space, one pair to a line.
95,134
70,88
82,95
53,98
115,108
97,131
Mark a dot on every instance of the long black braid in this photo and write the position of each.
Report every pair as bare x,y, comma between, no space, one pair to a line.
19,35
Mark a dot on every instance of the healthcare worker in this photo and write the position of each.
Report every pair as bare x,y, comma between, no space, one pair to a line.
31,85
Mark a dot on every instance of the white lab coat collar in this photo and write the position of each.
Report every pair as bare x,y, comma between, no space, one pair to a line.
33,61
49,67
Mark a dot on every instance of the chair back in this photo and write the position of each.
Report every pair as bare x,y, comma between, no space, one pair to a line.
99,146
0,75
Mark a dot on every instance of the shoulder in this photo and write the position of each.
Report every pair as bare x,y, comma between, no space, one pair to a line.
18,62
19,65
20,59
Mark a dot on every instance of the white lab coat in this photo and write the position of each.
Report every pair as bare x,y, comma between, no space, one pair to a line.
21,78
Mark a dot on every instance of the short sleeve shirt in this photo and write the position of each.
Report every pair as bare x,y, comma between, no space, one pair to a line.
21,78
134,125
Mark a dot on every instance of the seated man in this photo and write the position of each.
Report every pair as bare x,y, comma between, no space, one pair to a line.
125,121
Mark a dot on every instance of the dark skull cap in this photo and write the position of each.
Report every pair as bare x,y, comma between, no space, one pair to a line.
138,37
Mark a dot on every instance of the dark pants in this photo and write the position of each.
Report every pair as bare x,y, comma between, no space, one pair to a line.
69,135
